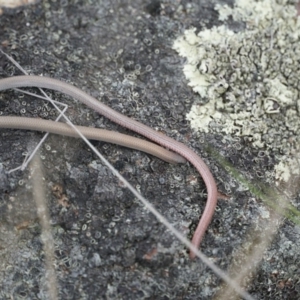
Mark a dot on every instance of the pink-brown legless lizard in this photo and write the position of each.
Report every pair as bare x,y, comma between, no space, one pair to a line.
163,140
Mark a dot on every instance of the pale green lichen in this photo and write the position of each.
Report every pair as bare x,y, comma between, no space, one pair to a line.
250,78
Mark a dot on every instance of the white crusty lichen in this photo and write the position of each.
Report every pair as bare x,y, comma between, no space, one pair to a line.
249,78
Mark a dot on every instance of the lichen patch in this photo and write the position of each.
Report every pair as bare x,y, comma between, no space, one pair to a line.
250,78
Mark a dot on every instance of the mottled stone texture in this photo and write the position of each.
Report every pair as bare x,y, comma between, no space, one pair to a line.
107,246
